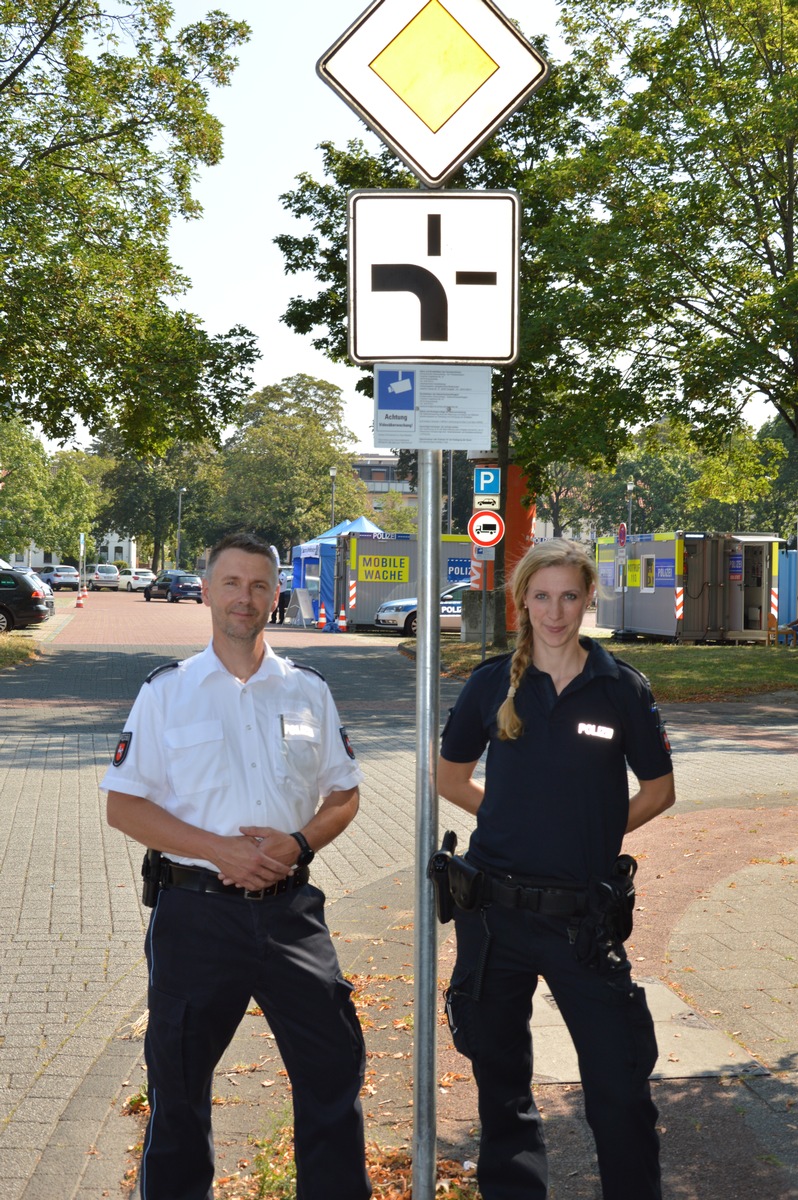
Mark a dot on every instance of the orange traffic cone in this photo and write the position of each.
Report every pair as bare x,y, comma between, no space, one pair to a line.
342,620
79,601
322,621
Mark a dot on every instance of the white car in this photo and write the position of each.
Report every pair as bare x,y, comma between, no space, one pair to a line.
135,579
60,577
402,615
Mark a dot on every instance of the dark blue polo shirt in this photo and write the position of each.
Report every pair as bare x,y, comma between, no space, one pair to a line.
557,798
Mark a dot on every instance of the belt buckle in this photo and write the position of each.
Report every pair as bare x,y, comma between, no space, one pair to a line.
258,894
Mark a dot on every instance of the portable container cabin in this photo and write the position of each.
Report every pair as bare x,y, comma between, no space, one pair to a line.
691,587
373,568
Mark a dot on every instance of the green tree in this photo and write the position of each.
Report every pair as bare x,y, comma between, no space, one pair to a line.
566,398
104,122
72,502
141,496
25,477
394,516
693,161
277,465
777,512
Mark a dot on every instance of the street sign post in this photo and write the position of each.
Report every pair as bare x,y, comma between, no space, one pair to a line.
433,81
433,276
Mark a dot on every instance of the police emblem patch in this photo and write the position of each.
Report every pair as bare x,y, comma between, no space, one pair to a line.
123,745
347,744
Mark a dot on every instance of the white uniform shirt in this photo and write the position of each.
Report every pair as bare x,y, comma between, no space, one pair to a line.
219,753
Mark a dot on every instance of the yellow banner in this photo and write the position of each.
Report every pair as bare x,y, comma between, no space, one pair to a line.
383,568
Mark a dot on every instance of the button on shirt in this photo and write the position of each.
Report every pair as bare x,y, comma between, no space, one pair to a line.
219,753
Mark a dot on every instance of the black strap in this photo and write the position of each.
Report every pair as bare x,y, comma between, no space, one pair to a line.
548,901
199,879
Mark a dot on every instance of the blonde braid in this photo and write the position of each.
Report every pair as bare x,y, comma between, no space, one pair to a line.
509,723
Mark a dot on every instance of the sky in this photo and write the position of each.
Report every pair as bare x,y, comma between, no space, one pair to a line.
275,114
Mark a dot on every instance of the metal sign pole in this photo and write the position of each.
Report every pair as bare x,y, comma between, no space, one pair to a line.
484,607
427,723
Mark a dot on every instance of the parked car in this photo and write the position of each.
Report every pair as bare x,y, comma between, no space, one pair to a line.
402,615
61,577
22,600
135,579
174,586
102,575
38,580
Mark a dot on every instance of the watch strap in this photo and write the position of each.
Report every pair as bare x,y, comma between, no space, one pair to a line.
306,855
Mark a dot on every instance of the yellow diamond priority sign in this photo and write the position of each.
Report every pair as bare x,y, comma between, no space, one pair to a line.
433,78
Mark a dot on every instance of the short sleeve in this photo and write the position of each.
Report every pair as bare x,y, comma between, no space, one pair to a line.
137,766
648,750
465,734
338,768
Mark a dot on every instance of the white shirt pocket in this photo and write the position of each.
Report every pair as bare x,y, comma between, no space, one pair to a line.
300,747
197,757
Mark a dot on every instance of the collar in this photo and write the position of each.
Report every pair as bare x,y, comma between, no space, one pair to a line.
599,662
207,663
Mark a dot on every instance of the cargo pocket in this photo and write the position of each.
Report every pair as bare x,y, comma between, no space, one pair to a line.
166,1066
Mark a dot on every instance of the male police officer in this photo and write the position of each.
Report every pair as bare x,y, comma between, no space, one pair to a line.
221,767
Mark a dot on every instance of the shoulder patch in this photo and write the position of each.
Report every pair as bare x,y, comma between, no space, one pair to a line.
170,666
122,747
302,667
347,744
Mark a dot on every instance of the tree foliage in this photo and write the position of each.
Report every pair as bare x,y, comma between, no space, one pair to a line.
44,500
277,464
694,164
104,121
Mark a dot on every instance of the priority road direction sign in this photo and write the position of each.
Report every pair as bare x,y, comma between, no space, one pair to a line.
433,80
486,529
433,276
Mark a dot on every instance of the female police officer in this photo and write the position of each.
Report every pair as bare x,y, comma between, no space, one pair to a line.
561,719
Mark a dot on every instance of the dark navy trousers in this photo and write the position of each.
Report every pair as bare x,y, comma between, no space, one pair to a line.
612,1030
208,954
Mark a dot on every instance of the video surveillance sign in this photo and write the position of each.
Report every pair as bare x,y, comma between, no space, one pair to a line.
426,407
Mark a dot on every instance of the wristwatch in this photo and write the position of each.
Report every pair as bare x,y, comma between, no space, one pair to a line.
306,855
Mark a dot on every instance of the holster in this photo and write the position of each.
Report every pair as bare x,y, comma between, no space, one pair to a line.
466,884
151,874
438,872
599,936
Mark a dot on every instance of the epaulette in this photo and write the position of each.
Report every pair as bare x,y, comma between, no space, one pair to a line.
635,671
170,666
495,658
302,667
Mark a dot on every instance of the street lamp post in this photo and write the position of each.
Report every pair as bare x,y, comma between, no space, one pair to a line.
333,473
180,492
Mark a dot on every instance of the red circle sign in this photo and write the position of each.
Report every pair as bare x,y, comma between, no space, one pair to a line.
486,528
622,534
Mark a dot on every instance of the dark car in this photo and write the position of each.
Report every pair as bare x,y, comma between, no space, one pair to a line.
61,577
22,600
174,586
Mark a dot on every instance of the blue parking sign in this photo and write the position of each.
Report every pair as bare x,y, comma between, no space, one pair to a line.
487,481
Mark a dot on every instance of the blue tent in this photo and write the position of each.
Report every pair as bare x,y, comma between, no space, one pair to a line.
318,557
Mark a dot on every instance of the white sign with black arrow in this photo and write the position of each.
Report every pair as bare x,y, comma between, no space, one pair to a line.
433,277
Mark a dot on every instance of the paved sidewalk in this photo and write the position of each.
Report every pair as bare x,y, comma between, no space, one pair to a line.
715,935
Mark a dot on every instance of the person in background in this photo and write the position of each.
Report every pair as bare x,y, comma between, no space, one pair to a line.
542,890
234,770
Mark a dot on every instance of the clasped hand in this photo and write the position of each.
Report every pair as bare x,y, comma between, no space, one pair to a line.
259,857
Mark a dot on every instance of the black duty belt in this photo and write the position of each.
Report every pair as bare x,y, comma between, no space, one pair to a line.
548,901
200,879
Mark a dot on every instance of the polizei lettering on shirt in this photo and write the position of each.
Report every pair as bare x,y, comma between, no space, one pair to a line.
601,731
